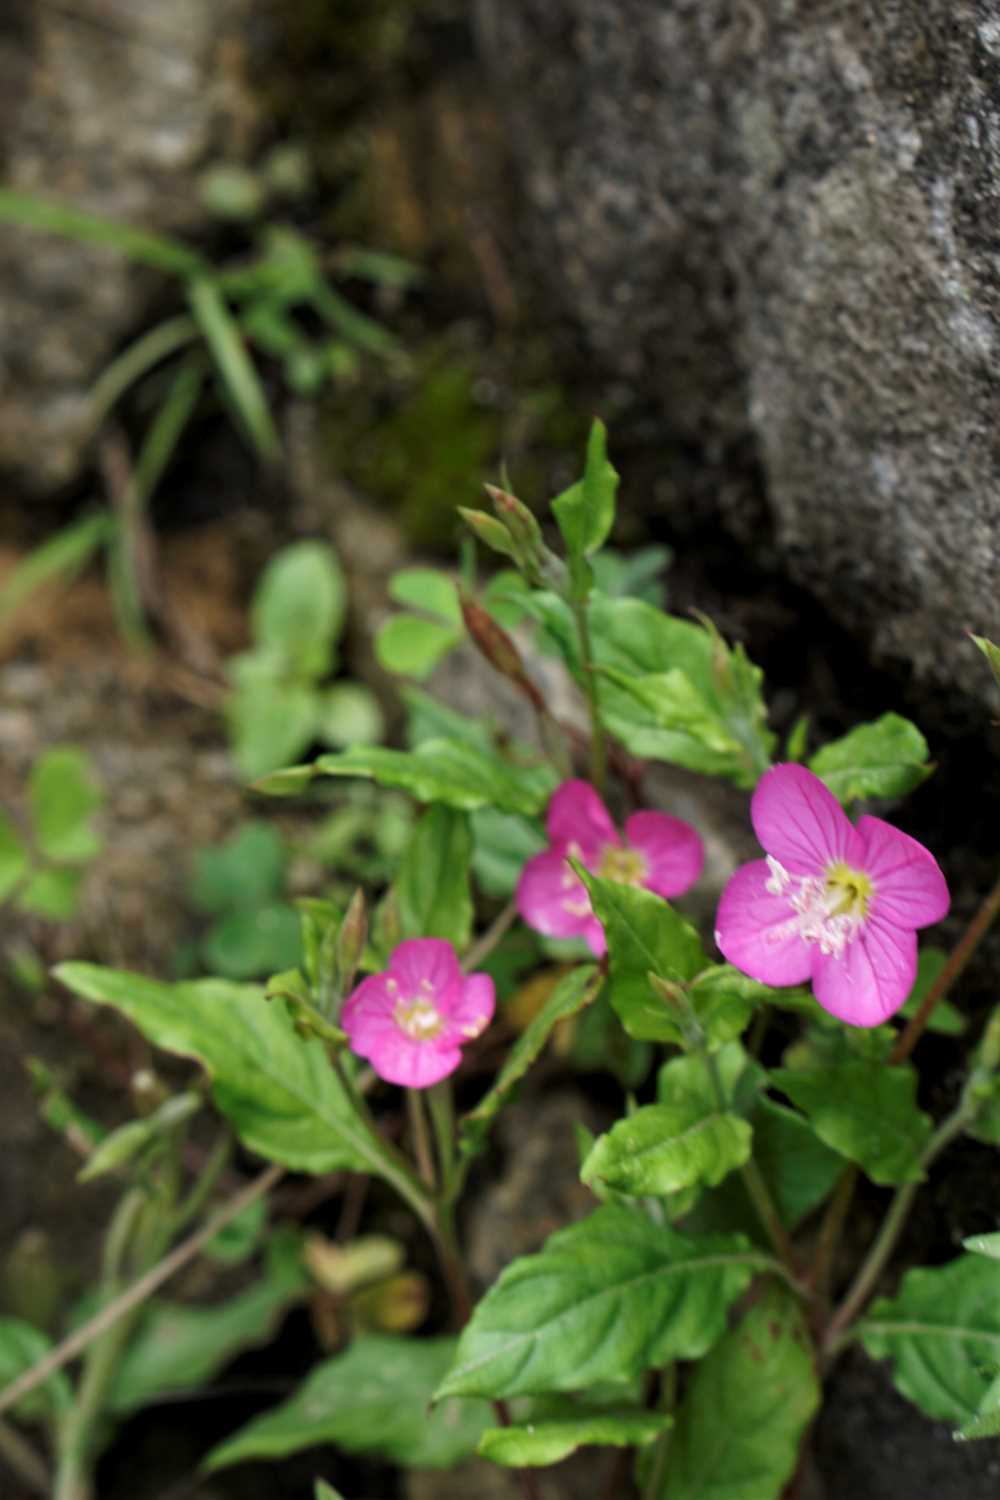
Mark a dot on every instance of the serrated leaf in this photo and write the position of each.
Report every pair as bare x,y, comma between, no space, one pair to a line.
543,1442
942,1333
279,1092
739,1427
886,758
21,1346
662,1148
454,772
299,607
432,887
374,1398
578,989
604,1299
865,1110
64,797
177,1347
645,935
13,857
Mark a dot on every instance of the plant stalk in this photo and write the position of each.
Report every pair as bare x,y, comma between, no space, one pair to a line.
598,746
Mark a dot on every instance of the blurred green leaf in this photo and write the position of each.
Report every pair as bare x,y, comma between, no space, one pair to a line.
21,1346
503,845
13,857
270,725
945,1017
234,365
246,871
64,797
299,606
50,892
412,646
373,1398
450,771
65,553
429,589
238,1239
432,888
53,217
886,758
349,714
250,944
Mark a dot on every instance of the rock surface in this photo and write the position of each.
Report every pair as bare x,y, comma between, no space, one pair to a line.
112,106
777,224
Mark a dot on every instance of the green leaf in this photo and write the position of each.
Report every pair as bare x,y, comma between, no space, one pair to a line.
250,943
586,511
604,1299
578,989
739,1427
299,607
450,771
51,893
984,1244
291,781
270,725
63,554
279,1092
121,1146
886,758
942,1333
866,1111
53,217
326,1491
374,1398
235,367
429,589
724,1000
64,797
662,1148
503,845
645,935
986,1422
237,1240
992,653
246,871
543,1442
13,857
412,646
671,690
21,1346
432,888
349,714
177,1347
945,1017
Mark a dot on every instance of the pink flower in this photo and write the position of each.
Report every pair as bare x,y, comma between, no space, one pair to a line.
411,1021
832,903
661,853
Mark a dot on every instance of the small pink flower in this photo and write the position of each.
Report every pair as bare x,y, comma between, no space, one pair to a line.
661,853
832,903
412,1021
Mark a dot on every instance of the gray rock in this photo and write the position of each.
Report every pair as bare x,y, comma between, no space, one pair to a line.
776,222
112,105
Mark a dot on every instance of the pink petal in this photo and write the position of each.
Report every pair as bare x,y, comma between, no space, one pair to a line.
872,977
673,851
424,958
367,1013
413,1064
546,885
473,1012
748,929
800,822
910,889
577,815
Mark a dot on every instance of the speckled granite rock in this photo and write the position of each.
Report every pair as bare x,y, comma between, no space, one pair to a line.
777,223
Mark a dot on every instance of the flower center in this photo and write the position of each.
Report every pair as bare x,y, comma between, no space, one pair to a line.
418,1018
828,909
627,866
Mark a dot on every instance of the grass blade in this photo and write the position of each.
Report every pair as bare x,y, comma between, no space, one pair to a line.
52,217
234,365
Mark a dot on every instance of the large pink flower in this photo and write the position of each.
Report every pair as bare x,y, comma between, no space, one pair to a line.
662,853
411,1021
832,903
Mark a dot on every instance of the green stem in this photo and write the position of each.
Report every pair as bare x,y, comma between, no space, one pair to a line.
892,1226
957,960
598,747
420,1138
484,945
218,1159
753,1181
658,1468
21,1457
442,1111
